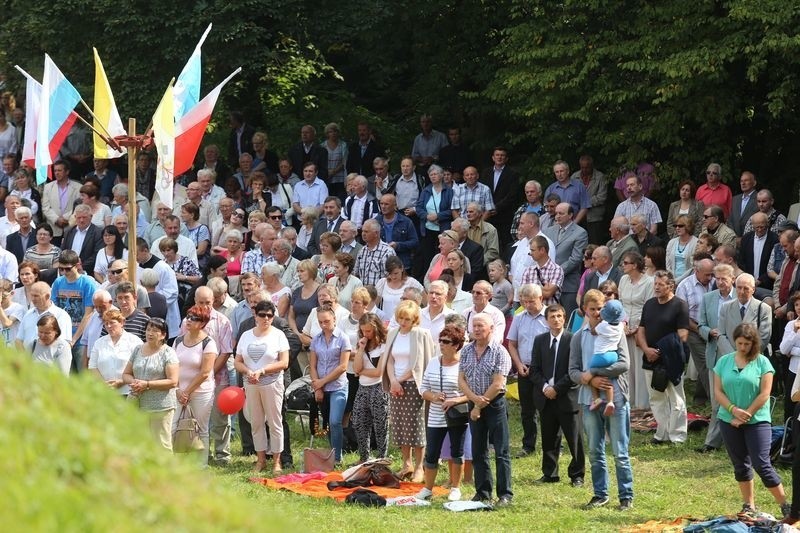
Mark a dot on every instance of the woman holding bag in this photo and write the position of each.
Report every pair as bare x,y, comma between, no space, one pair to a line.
447,414
410,349
196,353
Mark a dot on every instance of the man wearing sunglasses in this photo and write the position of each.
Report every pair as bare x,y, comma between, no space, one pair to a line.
714,224
118,273
714,192
73,292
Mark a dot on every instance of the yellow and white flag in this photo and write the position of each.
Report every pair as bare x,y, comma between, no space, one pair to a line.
106,116
164,137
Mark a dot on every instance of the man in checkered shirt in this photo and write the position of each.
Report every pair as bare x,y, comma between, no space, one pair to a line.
371,258
544,272
471,191
482,377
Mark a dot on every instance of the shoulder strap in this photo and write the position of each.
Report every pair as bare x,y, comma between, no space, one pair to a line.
178,339
206,341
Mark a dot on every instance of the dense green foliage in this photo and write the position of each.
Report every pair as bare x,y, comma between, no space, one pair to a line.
680,83
76,457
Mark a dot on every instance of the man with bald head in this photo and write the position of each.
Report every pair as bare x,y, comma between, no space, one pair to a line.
621,239
765,201
744,204
41,304
692,290
219,329
604,268
471,191
745,308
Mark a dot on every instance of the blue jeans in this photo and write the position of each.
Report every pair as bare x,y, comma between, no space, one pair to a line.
338,401
492,423
618,426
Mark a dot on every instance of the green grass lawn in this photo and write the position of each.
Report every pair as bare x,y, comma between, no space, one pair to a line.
77,458
668,482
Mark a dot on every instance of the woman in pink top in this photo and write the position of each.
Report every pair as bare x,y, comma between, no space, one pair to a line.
196,352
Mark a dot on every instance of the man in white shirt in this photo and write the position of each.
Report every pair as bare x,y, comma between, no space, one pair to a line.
41,304
692,290
210,193
361,205
194,194
433,315
481,294
172,229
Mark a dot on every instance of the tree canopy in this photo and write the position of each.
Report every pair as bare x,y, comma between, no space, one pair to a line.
677,83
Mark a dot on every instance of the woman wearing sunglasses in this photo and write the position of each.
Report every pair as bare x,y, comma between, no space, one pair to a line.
680,249
262,354
196,353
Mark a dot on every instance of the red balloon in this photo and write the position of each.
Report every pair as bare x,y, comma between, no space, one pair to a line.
230,400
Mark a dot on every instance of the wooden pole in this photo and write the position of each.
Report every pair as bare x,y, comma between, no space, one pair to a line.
132,205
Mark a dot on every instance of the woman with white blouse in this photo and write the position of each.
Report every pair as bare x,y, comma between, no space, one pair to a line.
635,288
109,355
790,348
262,354
196,353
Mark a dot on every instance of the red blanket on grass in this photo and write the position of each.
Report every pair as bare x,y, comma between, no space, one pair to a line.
316,487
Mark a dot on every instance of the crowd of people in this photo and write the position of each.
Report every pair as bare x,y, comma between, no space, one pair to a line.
409,299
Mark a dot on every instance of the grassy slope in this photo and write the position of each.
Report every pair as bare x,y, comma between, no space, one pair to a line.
76,458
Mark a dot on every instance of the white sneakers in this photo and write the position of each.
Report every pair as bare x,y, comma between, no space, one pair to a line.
424,494
427,494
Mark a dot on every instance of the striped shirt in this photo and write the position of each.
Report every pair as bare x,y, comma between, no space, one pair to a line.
437,379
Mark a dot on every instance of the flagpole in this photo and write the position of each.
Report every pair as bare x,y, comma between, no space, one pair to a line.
132,204
100,122
109,140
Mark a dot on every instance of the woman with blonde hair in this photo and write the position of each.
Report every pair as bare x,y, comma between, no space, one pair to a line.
337,157
409,349
308,219
680,248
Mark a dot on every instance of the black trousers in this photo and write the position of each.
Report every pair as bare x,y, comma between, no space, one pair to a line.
556,422
246,434
528,414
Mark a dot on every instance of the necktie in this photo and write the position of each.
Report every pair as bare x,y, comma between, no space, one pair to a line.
741,312
553,356
330,225
560,234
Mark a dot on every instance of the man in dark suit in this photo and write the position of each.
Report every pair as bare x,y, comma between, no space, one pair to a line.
332,219
240,140
604,269
504,184
309,150
556,399
84,238
362,153
290,234
759,241
21,240
744,204
471,249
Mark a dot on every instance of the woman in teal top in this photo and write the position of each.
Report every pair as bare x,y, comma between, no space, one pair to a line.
742,384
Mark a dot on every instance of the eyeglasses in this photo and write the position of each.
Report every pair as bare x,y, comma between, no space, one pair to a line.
276,217
237,214
116,272
446,341
65,268
265,315
627,262
479,292
679,225
708,216
711,173
609,293
194,318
